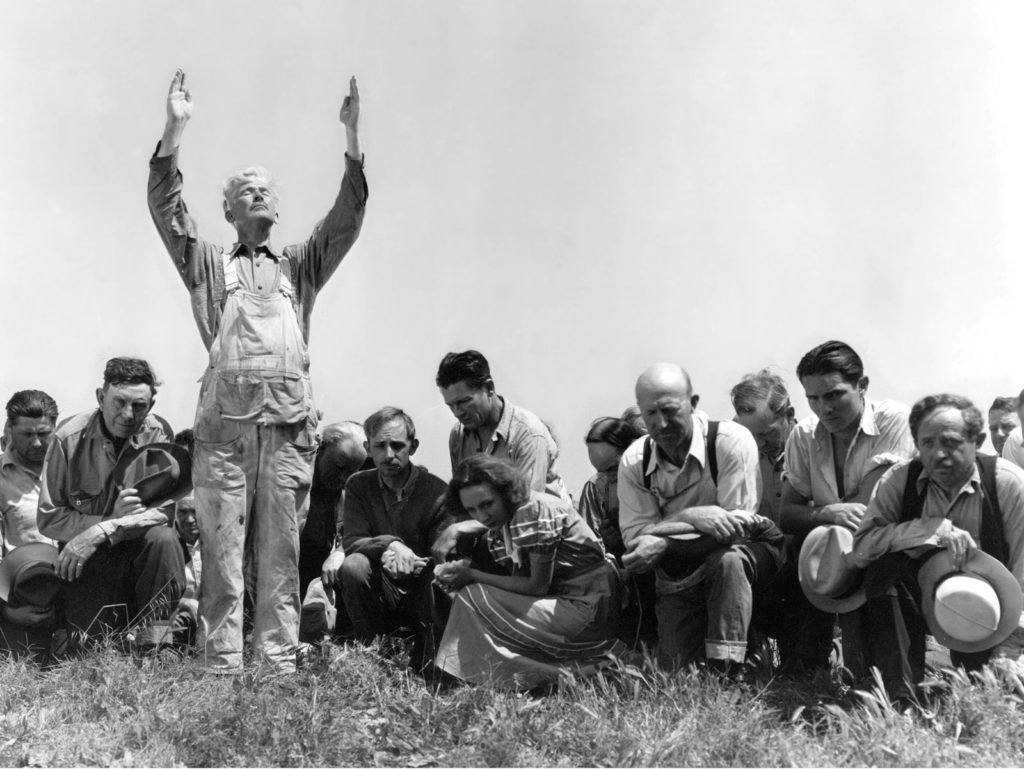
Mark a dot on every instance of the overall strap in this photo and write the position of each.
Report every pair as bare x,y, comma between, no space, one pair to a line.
993,539
913,502
230,269
712,440
646,461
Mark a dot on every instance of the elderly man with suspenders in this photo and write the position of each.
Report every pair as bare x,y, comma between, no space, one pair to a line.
255,427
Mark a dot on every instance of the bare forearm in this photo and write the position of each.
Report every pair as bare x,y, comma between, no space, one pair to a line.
171,139
352,148
133,526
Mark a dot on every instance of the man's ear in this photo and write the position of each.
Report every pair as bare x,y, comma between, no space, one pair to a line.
489,386
862,385
694,400
366,447
980,440
99,396
152,403
413,445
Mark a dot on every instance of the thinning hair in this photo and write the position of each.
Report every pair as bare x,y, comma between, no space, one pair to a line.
635,418
342,431
510,485
240,178
832,357
470,367
129,371
33,404
766,386
384,416
973,421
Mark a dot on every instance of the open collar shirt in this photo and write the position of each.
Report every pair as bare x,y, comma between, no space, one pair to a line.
1013,449
673,488
881,530
520,437
19,500
883,438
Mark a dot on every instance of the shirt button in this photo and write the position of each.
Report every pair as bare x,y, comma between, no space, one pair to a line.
259,288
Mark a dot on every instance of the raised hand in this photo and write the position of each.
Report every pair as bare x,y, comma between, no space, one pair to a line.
349,114
179,100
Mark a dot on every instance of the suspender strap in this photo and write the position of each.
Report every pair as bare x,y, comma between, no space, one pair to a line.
712,440
993,540
229,271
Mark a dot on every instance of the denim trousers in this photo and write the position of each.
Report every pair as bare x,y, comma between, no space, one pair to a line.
711,619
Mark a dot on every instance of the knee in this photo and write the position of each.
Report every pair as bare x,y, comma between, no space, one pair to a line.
727,564
163,539
355,572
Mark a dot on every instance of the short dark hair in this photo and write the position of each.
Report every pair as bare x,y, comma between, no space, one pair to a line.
1004,403
381,417
187,439
129,371
832,357
616,432
34,404
470,367
972,416
767,386
508,482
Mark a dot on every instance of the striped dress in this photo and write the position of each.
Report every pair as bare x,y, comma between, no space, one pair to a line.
522,641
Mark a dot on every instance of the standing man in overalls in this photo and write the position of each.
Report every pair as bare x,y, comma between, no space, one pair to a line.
255,426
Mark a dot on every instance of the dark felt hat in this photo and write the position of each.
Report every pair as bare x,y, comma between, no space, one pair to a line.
27,575
159,472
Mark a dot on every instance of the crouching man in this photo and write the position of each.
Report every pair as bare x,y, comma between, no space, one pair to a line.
694,477
120,562
391,516
920,540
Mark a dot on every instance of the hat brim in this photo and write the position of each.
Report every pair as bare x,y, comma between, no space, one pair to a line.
12,563
983,565
181,488
829,604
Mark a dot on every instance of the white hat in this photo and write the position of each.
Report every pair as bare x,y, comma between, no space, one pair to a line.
828,576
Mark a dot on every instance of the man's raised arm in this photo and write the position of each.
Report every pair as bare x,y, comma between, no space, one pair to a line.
179,110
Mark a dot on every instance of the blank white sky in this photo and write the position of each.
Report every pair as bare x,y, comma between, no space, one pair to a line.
577,189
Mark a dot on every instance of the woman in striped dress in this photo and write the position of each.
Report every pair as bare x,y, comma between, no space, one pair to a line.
537,597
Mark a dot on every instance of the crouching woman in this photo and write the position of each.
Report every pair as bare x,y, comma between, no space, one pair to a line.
536,597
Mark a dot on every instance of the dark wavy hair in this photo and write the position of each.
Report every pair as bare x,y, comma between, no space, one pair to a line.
122,371
470,367
832,357
1004,403
34,404
614,431
511,486
973,420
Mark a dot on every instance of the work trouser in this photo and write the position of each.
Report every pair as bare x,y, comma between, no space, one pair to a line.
252,496
711,619
130,583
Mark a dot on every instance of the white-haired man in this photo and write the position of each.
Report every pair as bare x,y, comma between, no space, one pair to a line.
255,426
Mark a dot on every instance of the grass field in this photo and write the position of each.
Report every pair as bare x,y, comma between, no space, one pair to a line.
349,705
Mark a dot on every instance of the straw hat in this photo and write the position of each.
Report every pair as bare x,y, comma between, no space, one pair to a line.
27,575
828,576
973,609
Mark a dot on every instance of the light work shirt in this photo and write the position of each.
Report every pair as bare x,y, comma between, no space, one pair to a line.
519,437
1013,449
881,531
19,500
883,438
673,488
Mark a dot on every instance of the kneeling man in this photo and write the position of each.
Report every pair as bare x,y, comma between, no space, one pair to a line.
950,499
392,515
114,551
695,477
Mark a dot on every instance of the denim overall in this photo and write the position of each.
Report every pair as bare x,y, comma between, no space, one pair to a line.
255,435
